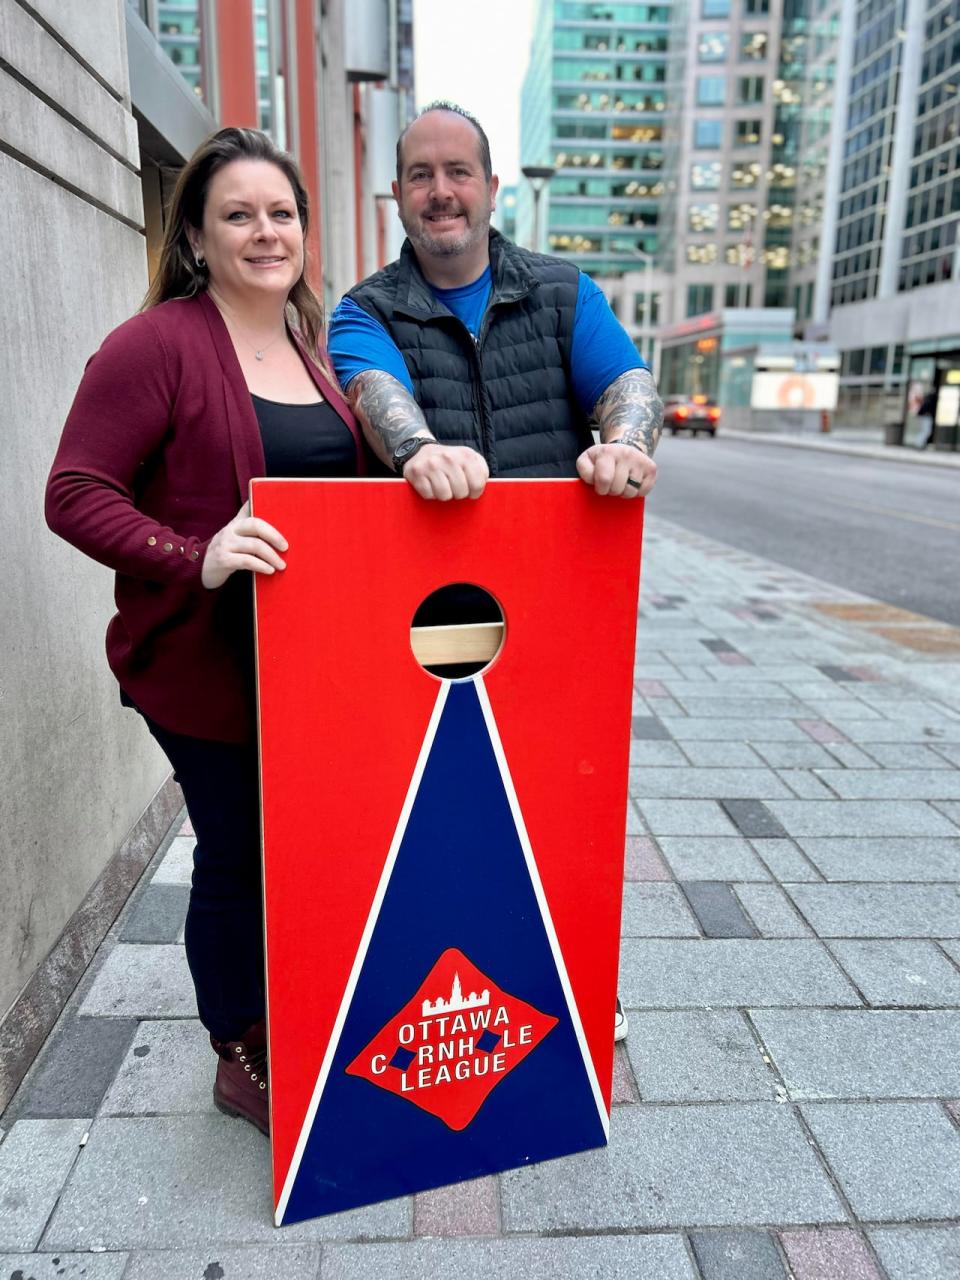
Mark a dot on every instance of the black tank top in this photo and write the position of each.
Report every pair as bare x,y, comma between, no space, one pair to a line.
304,441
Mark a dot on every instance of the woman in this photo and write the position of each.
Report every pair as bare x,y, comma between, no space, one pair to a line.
209,386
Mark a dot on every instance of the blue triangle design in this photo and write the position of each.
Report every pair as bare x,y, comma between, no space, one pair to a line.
460,880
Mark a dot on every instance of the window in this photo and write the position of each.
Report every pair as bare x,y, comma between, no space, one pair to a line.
753,46
737,295
756,8
703,217
711,91
713,46
702,254
715,9
878,360
750,89
699,299
740,216
856,362
706,177
707,134
644,302
748,133
745,175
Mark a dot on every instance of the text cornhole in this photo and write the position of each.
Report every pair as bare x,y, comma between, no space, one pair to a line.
443,858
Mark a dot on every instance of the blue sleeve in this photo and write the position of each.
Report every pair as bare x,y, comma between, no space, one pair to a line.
601,349
357,342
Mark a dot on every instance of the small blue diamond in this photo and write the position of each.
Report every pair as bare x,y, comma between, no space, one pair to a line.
488,1042
402,1059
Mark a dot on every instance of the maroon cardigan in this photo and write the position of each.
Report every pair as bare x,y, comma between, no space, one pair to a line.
156,456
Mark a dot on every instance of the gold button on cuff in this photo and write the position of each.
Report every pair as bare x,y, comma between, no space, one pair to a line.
168,546
151,542
194,555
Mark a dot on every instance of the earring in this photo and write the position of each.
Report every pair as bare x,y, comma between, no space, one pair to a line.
200,261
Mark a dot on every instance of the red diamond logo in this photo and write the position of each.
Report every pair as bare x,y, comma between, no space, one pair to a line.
453,1042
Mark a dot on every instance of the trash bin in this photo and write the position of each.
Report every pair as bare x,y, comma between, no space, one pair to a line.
443,858
945,438
893,433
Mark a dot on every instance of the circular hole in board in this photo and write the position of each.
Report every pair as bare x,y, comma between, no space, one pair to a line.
457,631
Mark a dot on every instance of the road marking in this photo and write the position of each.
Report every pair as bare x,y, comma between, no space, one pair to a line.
898,515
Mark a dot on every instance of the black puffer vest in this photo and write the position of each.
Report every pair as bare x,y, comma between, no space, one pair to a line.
509,394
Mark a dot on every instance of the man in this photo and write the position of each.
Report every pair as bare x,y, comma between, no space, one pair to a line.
470,357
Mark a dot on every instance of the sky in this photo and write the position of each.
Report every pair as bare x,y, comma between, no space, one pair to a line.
475,52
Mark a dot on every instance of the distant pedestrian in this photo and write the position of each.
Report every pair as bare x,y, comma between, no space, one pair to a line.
926,416
217,380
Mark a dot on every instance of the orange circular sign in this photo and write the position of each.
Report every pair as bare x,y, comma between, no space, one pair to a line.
796,393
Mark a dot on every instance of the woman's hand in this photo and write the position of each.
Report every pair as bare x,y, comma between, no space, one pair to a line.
245,543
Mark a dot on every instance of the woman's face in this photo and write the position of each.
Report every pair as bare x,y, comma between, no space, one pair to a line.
251,235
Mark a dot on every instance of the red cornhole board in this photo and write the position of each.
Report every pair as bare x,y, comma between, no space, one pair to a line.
443,859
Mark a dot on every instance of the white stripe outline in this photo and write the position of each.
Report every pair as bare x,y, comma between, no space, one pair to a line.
334,1042
542,903
533,872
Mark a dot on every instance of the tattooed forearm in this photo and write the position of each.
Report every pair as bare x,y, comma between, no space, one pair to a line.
387,412
630,410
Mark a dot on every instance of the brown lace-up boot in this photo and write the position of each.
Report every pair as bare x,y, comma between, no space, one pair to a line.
240,1088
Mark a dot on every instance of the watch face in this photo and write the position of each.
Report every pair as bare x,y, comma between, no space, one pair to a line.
406,450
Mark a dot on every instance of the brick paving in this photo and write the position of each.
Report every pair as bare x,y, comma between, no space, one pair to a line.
786,1103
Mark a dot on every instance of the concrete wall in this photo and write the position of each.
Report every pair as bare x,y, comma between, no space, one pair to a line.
78,770
919,315
338,189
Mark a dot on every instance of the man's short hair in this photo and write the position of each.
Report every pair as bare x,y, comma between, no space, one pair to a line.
442,104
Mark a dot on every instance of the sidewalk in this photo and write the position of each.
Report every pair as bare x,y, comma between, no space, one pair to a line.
786,1103
862,444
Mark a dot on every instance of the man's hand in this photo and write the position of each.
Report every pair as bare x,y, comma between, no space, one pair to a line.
247,542
447,471
617,470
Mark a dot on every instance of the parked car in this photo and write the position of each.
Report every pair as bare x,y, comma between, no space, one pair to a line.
691,413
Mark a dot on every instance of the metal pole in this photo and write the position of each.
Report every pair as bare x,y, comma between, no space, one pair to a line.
646,296
538,176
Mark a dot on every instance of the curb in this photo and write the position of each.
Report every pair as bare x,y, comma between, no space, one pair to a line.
887,453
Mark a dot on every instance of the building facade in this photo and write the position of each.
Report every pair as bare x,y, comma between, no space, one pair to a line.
763,154
894,304
721,142
593,108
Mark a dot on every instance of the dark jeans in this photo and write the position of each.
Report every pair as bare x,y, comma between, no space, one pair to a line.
224,933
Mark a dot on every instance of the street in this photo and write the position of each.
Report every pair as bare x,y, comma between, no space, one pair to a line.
884,529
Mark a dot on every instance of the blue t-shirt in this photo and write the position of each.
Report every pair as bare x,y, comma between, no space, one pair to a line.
601,349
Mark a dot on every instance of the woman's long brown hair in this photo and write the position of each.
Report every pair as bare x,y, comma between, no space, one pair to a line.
178,275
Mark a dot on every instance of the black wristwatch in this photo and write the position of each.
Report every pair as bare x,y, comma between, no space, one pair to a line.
407,448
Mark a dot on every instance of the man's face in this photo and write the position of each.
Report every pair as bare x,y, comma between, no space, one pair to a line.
443,198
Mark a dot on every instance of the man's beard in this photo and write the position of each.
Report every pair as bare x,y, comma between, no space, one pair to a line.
448,246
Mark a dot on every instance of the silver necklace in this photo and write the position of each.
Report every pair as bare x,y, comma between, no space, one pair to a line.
263,350
259,352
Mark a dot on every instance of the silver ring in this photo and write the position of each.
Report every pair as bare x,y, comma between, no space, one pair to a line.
634,484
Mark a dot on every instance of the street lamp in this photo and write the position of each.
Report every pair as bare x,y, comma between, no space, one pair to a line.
538,175
646,294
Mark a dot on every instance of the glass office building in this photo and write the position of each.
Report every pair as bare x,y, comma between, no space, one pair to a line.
593,107
894,306
722,242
